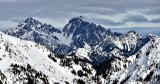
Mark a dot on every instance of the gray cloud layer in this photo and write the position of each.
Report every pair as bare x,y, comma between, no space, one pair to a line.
135,18
106,22
155,11
128,18
155,20
17,10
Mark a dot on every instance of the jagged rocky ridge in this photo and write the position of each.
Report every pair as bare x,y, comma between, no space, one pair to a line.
33,30
78,33
143,67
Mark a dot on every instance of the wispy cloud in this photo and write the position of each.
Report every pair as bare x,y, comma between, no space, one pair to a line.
107,22
135,18
157,20
8,0
155,11
7,24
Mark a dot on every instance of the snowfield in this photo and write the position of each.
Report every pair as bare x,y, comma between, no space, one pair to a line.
17,51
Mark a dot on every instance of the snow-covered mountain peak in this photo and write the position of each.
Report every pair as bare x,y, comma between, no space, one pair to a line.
74,24
131,32
33,30
29,24
77,19
151,35
31,20
132,36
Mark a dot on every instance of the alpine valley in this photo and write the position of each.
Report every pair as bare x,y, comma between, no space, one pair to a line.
81,53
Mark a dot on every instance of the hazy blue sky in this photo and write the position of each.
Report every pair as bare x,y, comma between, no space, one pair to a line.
108,13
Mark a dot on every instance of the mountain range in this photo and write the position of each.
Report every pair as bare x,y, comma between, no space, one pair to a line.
76,34
81,53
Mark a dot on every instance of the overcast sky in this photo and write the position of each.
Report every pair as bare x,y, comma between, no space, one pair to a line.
108,13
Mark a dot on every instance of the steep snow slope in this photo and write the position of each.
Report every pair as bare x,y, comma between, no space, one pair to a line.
21,60
141,68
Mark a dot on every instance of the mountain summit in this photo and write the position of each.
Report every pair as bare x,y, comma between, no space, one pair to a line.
33,30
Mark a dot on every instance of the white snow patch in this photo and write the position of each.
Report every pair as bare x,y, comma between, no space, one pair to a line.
84,52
